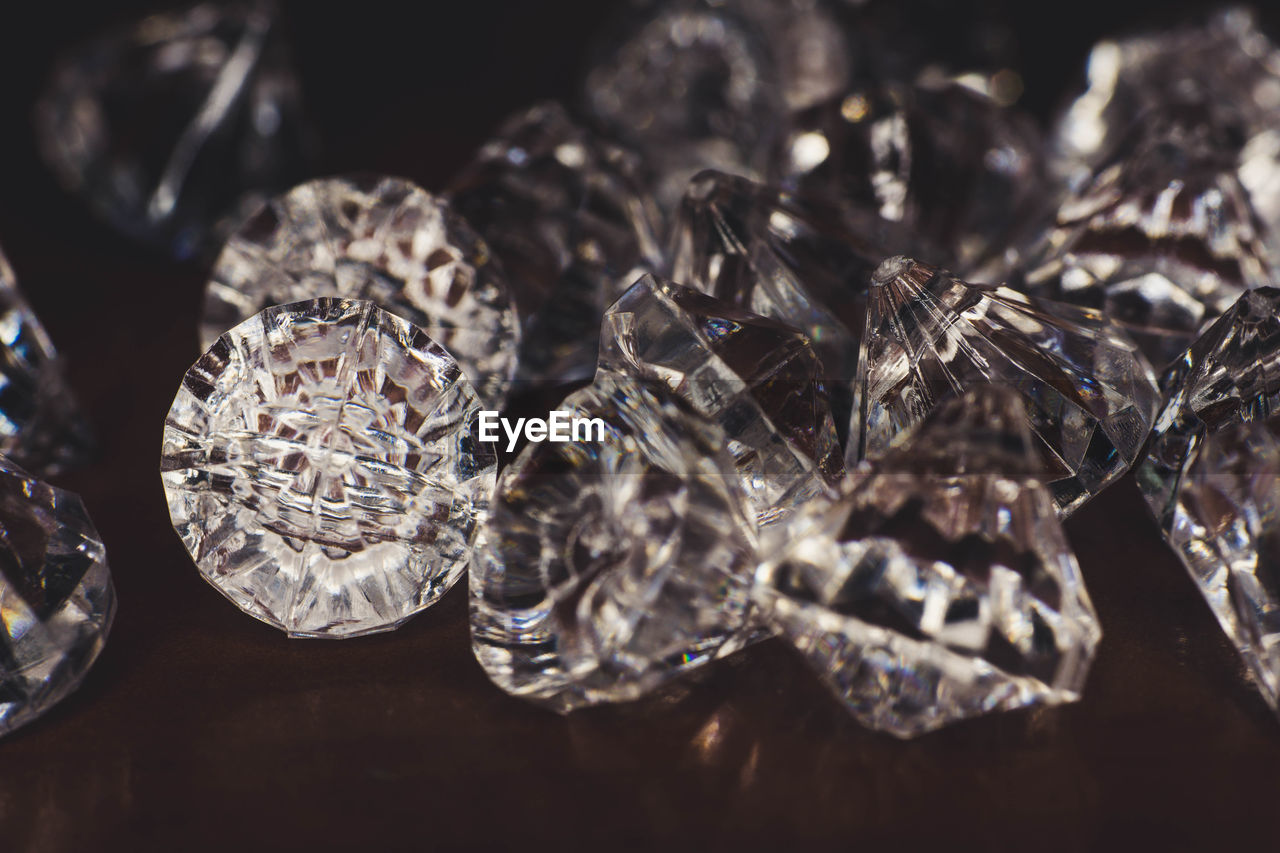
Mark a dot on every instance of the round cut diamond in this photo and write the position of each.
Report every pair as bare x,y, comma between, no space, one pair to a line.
56,596
322,466
376,238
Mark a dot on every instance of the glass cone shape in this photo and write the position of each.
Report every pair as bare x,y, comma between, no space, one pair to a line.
692,85
40,424
169,126
939,586
757,379
612,565
1088,394
568,215
56,596
948,163
1164,238
1227,66
381,239
323,467
1230,375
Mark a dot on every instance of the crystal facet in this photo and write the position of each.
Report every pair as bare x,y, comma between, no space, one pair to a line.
56,596
952,164
610,567
568,216
1163,239
757,379
168,126
40,424
1089,395
323,467
381,239
940,585
1230,375
798,261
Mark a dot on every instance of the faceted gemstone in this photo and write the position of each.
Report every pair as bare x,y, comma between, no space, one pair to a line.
613,565
56,596
40,424
1225,526
757,379
1230,375
1227,67
939,585
1163,239
168,126
568,215
381,239
693,85
950,163
1088,394
323,467
799,261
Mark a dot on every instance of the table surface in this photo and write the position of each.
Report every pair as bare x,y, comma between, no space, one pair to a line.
201,729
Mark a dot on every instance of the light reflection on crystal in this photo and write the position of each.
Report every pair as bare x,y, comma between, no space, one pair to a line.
381,239
609,568
756,378
939,585
323,467
1089,395
57,601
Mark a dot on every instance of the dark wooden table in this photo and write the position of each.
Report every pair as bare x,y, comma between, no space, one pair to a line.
201,729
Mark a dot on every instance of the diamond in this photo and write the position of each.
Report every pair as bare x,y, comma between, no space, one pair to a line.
56,596
757,379
1089,395
1230,375
1163,239
322,466
568,216
609,568
940,585
692,86
951,164
1227,66
166,127
40,424
381,239
798,261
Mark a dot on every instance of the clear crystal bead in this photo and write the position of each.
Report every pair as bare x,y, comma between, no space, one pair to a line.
1226,528
1089,395
693,86
40,424
940,585
951,164
381,239
757,379
1163,239
168,126
323,467
610,567
1227,66
568,215
56,596
1212,475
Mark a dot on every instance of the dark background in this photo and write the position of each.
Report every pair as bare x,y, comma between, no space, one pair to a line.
201,729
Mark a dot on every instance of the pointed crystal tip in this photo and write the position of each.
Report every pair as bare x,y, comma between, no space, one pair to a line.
890,269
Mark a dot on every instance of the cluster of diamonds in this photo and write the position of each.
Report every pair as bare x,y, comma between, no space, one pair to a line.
858,337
